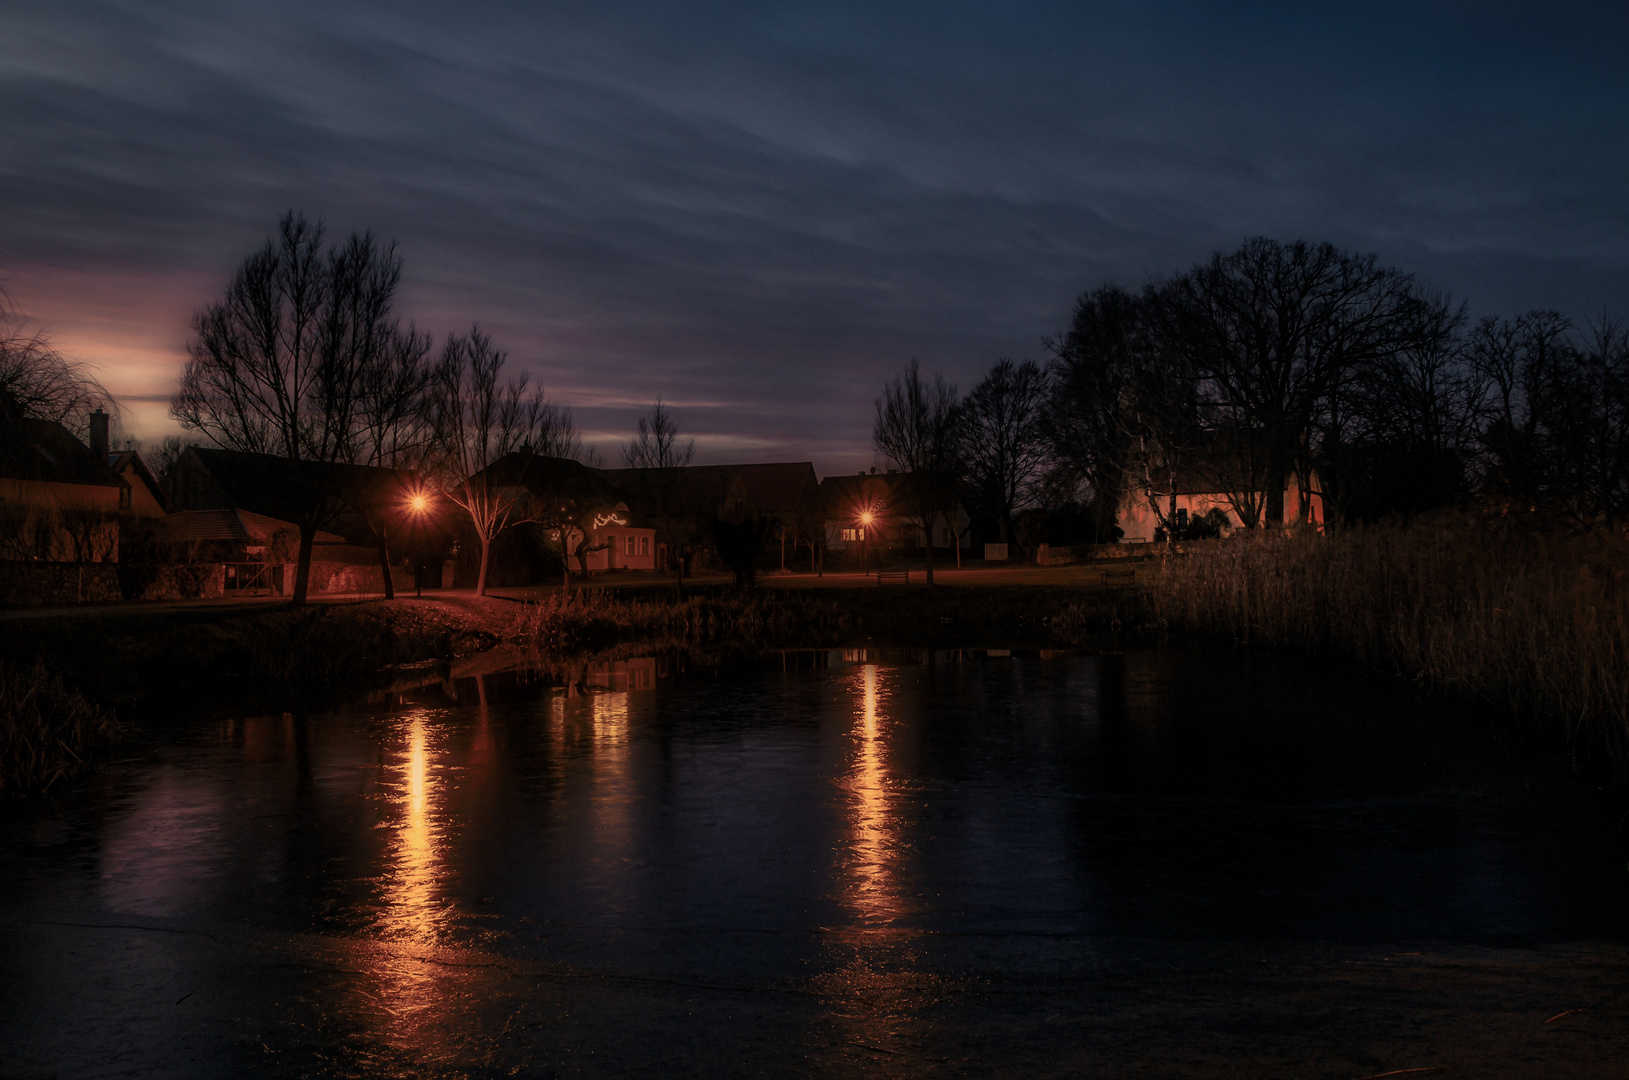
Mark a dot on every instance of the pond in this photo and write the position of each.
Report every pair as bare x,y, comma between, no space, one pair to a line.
847,863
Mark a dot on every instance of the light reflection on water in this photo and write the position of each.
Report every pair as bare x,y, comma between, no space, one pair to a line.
772,828
870,870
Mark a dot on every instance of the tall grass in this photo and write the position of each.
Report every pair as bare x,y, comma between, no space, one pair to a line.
588,620
1536,623
47,732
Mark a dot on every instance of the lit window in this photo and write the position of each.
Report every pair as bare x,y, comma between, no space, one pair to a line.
851,534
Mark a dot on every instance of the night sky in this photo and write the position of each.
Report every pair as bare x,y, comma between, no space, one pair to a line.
763,211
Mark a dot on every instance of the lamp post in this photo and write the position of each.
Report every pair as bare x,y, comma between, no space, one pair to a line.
866,518
418,504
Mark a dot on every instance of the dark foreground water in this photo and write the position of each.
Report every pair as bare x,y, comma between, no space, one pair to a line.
1174,863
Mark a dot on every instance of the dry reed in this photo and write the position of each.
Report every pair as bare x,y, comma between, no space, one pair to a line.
1532,622
47,732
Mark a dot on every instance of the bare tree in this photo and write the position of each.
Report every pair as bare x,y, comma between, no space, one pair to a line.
277,366
656,449
395,430
1557,427
479,421
1128,413
1271,327
1003,438
915,430
656,442
1091,377
38,382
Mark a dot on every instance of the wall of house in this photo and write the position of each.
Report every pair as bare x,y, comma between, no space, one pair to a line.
58,522
614,551
142,501
1139,522
842,536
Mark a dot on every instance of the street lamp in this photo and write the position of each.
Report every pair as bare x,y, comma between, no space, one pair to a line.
418,504
866,518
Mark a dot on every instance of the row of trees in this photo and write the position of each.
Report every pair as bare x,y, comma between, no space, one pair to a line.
1272,361
304,358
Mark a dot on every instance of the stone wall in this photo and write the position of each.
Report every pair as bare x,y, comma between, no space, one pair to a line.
328,578
56,583
172,581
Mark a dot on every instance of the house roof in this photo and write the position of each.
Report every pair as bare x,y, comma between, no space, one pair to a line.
842,495
122,460
231,526
780,488
45,451
278,487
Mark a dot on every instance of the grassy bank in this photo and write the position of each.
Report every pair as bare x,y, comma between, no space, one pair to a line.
67,677
1532,622
722,619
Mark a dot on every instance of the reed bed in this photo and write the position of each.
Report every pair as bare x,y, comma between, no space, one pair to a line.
1533,622
588,620
47,732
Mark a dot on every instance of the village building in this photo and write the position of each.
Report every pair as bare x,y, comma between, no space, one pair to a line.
1199,498
876,510
685,502
61,500
365,525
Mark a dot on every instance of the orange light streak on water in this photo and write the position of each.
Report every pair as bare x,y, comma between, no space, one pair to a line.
870,889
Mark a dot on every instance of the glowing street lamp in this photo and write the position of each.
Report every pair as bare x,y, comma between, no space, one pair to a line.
418,504
866,518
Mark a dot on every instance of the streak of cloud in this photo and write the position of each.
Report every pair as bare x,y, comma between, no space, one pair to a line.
762,211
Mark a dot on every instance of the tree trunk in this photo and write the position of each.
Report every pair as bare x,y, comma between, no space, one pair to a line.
384,568
302,567
1273,508
929,550
486,555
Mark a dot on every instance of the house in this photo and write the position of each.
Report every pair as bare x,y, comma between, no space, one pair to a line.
567,498
146,494
249,498
687,501
59,499
1200,494
876,509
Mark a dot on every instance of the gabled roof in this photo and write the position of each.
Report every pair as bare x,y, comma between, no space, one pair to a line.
843,494
231,526
275,486
693,491
45,451
121,460
780,488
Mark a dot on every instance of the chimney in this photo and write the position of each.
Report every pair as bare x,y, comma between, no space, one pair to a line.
98,435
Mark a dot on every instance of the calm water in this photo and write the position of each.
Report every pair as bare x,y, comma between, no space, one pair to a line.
740,872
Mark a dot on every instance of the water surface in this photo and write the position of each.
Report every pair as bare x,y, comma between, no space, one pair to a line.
828,862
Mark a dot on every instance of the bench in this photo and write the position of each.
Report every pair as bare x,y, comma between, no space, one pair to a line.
901,576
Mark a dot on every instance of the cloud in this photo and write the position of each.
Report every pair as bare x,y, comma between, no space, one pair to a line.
762,212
